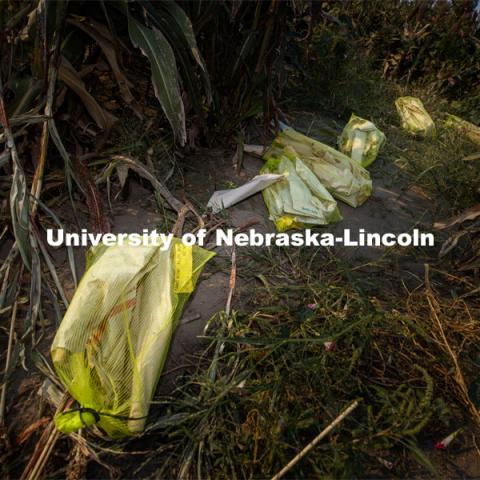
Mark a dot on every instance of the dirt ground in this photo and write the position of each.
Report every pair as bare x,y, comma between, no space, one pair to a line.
395,206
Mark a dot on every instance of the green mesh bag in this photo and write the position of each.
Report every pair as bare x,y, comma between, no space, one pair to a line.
361,140
112,343
344,178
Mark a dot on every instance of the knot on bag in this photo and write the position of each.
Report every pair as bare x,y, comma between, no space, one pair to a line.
75,419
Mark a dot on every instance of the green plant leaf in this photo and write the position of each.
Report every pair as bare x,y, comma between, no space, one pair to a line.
25,90
420,456
184,50
185,28
20,210
156,48
19,207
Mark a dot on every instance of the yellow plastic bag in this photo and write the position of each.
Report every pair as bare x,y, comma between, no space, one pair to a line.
361,140
344,178
298,200
110,348
414,118
470,130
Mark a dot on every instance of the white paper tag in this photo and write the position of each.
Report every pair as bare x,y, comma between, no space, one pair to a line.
226,198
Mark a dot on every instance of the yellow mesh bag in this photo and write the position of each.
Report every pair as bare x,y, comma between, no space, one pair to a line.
343,177
112,343
361,140
299,200
414,118
470,130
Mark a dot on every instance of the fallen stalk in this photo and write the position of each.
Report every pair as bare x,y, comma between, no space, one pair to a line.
231,290
157,184
7,363
316,440
459,379
44,447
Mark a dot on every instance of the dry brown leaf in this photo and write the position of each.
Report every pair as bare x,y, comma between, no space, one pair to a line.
27,433
451,243
469,158
72,79
470,214
106,42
